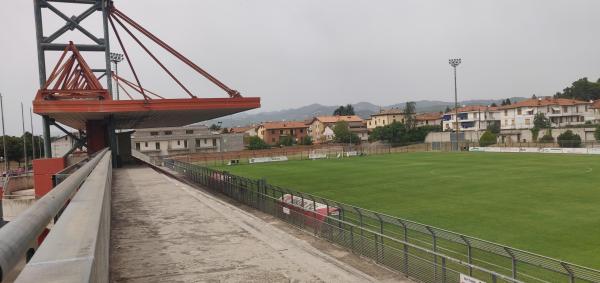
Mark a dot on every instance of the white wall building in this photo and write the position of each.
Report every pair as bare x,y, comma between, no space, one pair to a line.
561,112
470,118
182,140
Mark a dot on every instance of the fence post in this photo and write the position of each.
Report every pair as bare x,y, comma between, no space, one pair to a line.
405,246
443,270
435,250
568,269
380,232
514,262
469,254
360,218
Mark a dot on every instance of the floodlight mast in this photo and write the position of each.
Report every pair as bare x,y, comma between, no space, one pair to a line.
454,63
116,58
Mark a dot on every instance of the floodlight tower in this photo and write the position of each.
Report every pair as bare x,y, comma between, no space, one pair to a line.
116,58
454,63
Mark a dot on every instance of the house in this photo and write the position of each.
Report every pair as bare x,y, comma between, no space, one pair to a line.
183,140
385,117
596,111
321,127
272,132
247,130
429,119
470,118
62,145
562,112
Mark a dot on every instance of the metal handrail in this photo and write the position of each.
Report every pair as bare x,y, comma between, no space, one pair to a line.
17,236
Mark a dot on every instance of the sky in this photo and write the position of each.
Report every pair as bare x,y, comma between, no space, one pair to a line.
332,52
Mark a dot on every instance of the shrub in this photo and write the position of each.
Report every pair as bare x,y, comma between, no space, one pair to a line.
306,140
569,139
285,141
535,132
488,138
257,143
494,127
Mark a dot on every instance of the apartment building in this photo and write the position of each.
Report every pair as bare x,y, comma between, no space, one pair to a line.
385,117
183,140
429,119
561,112
321,128
470,118
272,132
596,109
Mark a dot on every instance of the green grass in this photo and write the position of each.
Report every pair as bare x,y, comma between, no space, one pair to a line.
544,203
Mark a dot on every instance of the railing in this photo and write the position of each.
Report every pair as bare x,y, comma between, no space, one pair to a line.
421,251
410,258
17,238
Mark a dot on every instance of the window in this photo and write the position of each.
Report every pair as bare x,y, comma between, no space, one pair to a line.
565,109
512,122
505,112
157,145
197,142
154,133
168,133
301,131
519,111
272,139
189,132
185,143
145,144
214,142
272,132
205,141
137,146
577,108
527,121
281,132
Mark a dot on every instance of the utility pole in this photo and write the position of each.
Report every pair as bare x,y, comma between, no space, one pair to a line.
32,136
24,139
454,63
3,136
116,58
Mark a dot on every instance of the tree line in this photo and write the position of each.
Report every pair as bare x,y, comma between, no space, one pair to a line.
14,147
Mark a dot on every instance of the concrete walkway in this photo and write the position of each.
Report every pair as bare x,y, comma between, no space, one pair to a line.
166,231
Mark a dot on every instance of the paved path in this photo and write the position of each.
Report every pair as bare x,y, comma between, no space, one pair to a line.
164,230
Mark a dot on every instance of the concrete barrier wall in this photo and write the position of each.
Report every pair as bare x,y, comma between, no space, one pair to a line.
77,248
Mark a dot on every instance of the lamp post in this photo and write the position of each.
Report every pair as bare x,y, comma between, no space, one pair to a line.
3,136
116,58
454,63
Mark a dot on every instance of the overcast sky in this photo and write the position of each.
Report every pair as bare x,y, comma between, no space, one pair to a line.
294,53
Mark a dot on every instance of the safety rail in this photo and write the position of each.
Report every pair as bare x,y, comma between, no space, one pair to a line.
415,261
474,254
18,237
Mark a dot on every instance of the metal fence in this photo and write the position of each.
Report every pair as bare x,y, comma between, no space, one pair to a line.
423,252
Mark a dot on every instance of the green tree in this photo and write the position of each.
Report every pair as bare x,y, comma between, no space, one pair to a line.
257,143
535,132
215,127
494,127
285,141
569,139
547,137
581,89
447,110
488,138
344,110
306,140
410,119
597,133
494,104
342,133
540,121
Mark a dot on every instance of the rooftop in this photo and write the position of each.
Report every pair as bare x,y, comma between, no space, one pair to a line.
391,111
475,108
335,119
284,125
429,116
545,101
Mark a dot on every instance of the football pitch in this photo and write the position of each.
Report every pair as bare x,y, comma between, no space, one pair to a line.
543,203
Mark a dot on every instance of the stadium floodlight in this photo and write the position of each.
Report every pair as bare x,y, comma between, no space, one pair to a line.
454,63
116,58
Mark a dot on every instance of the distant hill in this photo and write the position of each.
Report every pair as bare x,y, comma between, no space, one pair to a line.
362,109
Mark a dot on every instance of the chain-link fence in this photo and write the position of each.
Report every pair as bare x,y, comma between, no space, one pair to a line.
423,252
